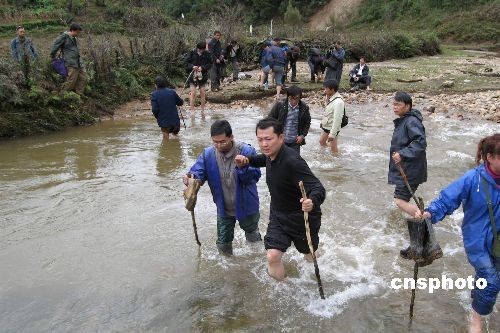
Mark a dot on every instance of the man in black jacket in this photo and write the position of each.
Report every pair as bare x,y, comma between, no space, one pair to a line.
293,54
294,116
284,169
233,55
215,49
359,76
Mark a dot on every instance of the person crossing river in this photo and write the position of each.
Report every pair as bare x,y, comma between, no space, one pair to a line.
284,169
233,189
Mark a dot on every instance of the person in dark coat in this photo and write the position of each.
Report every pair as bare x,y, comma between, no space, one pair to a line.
215,49
408,147
164,104
359,78
284,169
198,63
233,55
315,62
293,54
334,62
294,116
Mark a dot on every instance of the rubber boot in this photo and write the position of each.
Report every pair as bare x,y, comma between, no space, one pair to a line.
253,236
432,250
416,229
225,248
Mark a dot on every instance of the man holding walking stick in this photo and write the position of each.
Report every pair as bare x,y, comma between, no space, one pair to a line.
407,170
284,169
233,189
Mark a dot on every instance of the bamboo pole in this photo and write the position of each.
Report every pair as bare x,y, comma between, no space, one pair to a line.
309,242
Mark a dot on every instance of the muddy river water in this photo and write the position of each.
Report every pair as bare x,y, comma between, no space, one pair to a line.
94,236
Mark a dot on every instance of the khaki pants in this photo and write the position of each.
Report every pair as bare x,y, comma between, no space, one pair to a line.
76,80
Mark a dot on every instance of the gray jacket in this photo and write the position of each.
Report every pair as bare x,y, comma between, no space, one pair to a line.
18,52
409,140
69,47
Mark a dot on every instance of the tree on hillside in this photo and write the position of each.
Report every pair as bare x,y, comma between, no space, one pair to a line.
292,17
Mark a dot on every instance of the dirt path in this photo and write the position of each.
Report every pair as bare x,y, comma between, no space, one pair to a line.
340,10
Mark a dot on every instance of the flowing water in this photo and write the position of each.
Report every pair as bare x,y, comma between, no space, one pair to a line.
94,235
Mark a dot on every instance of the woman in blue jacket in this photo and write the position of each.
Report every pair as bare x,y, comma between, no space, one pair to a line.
470,190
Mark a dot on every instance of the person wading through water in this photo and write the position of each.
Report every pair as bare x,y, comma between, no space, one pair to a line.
164,104
198,63
284,169
294,116
478,191
408,152
234,190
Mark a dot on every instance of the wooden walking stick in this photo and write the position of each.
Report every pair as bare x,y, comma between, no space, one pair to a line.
195,229
420,205
190,196
309,242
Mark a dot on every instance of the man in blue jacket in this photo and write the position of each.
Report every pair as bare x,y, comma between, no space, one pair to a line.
277,63
473,191
234,189
22,48
164,104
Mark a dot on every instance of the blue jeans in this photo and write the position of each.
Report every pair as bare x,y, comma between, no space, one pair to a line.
483,300
278,74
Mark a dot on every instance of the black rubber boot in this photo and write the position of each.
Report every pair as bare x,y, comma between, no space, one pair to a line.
416,229
225,248
253,236
432,250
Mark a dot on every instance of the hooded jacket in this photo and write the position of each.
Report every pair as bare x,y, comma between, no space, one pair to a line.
247,198
409,141
469,192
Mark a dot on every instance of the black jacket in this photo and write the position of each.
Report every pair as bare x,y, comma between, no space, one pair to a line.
409,141
228,52
364,73
282,178
280,112
215,48
194,59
